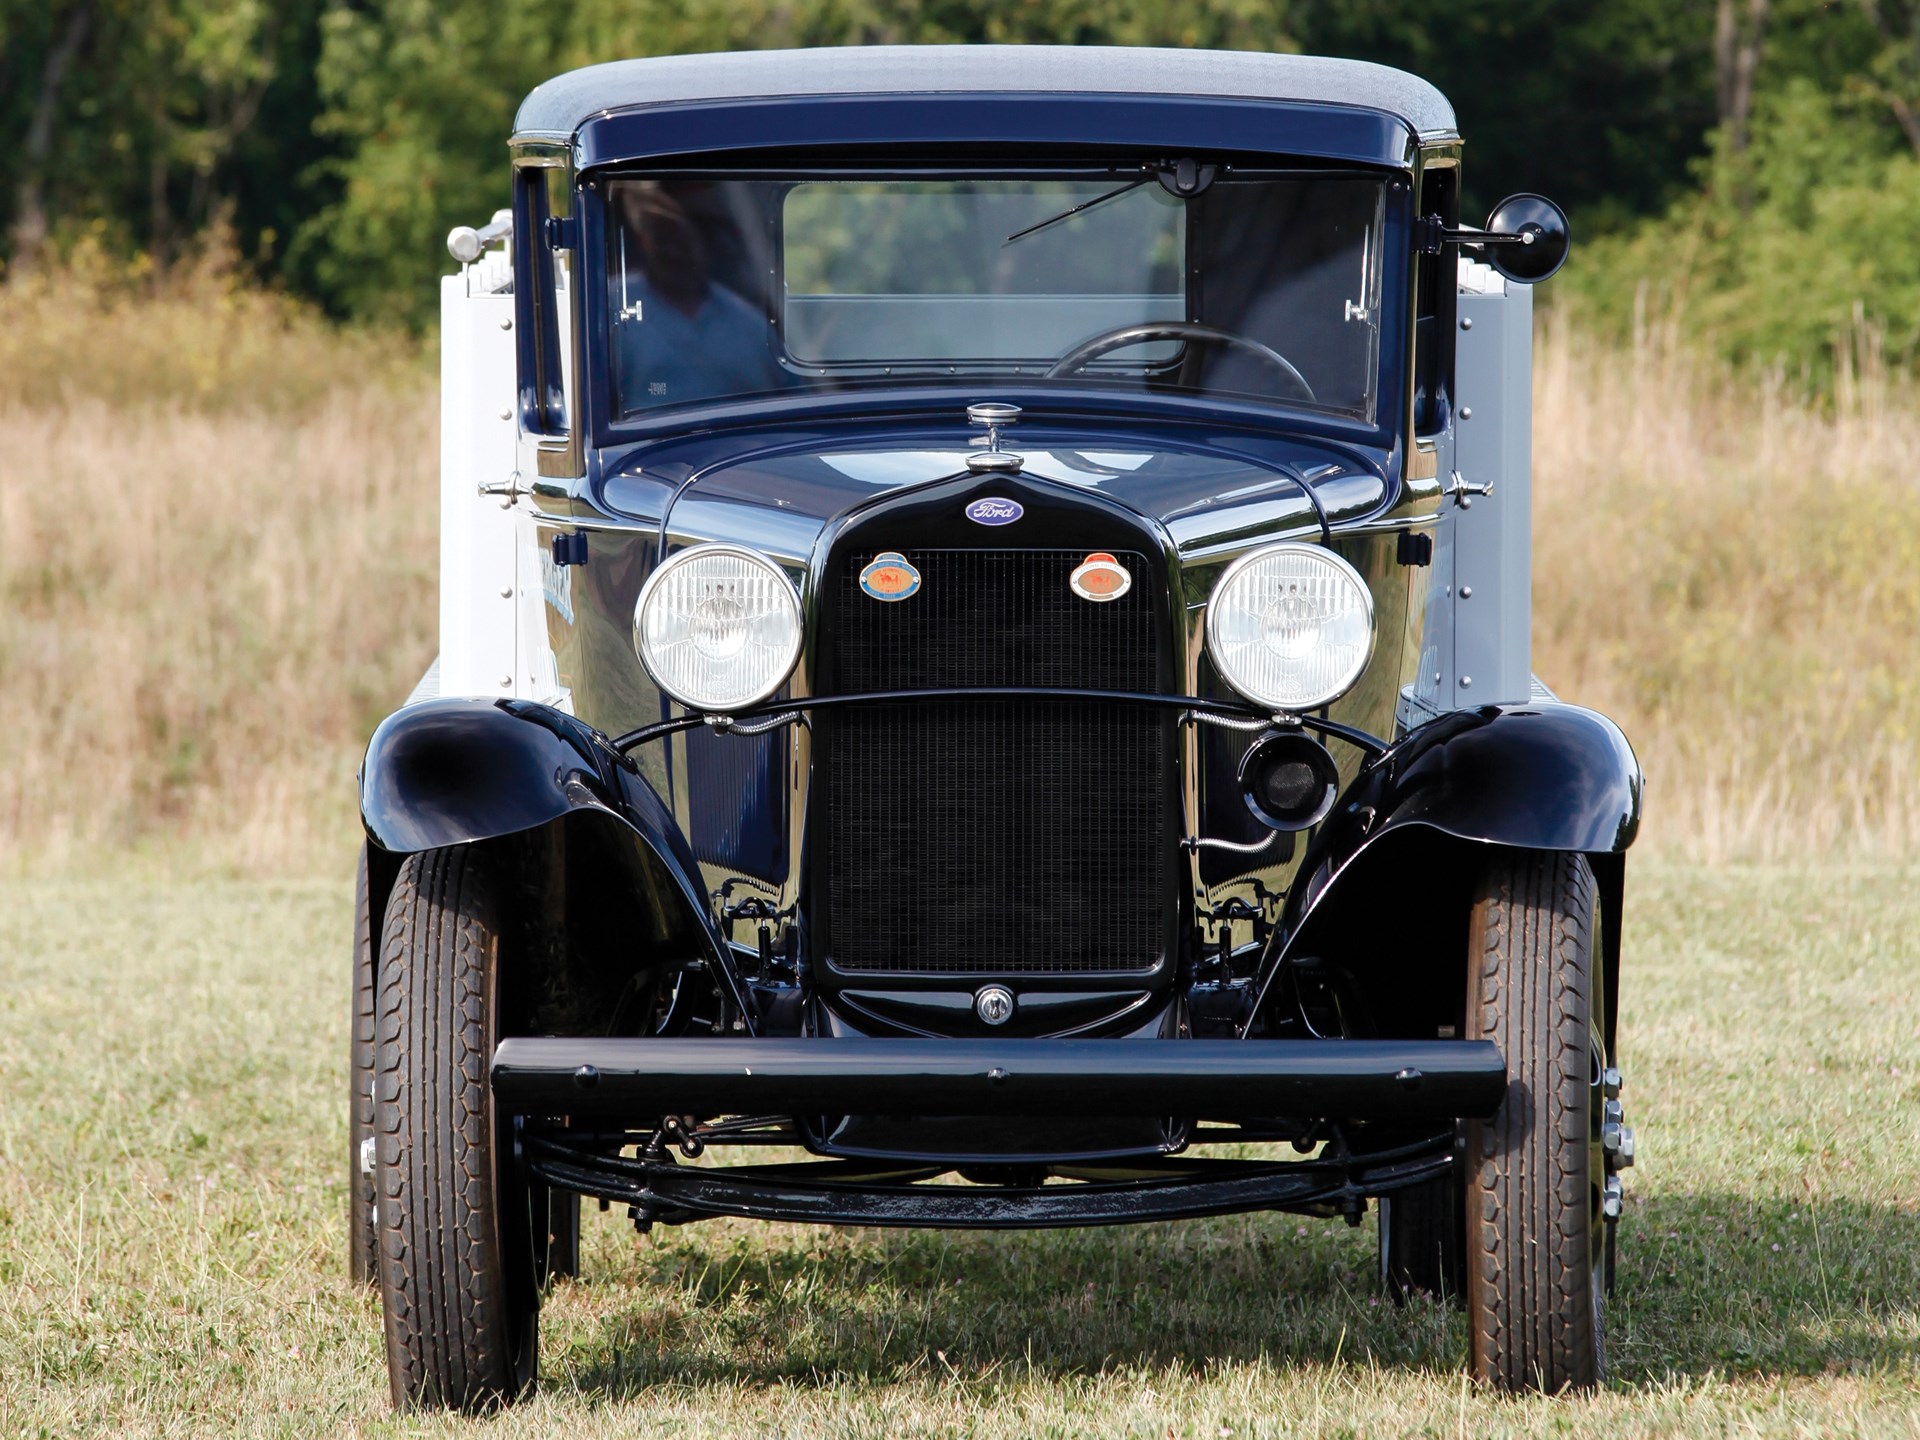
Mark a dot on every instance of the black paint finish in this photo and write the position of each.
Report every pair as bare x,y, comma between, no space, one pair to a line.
458,772
1036,1012
1162,122
449,772
1537,777
856,1193
1398,1081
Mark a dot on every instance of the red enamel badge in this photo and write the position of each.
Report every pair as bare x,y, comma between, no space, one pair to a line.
1100,577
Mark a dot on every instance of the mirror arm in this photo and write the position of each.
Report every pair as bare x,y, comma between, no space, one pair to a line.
1433,235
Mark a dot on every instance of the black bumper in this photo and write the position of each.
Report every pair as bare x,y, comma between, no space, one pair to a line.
1384,1080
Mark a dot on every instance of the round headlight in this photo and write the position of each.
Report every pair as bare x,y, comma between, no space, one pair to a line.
718,627
1290,627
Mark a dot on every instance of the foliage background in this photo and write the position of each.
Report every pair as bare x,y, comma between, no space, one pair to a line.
1756,159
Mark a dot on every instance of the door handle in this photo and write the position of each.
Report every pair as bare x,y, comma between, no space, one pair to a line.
509,493
1464,490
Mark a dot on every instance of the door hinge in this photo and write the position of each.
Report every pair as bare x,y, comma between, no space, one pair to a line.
570,549
1414,549
563,232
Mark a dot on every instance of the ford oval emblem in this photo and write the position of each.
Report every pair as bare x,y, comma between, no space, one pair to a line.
890,576
994,510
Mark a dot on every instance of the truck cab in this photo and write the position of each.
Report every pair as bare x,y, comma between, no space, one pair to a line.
984,637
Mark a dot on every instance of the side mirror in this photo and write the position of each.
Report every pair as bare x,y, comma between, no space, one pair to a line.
1526,238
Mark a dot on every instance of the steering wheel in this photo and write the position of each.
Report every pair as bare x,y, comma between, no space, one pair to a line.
1087,351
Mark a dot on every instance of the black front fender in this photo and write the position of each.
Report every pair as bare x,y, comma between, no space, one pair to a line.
453,772
1536,777
459,772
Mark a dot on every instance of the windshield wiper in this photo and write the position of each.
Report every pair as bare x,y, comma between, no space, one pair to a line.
1074,210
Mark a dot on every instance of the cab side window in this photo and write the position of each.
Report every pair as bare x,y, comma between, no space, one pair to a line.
1434,287
536,300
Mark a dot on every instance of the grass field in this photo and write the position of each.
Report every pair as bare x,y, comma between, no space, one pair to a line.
172,1137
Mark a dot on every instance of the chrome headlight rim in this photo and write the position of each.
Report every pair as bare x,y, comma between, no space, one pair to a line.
1215,648
743,552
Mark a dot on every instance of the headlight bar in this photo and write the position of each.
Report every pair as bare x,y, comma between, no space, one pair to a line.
1198,708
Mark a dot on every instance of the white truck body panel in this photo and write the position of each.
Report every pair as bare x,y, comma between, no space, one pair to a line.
494,571
479,560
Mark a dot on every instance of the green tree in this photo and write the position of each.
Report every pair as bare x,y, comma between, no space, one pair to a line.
421,95
144,118
1601,104
1892,77
1795,240
1752,161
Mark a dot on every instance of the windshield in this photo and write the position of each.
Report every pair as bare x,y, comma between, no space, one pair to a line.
1191,280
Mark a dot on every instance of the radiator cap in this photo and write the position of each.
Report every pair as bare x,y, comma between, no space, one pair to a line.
993,416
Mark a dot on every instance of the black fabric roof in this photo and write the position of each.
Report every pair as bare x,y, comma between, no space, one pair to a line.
555,110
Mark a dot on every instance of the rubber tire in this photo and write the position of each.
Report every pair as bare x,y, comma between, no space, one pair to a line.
1423,1240
1533,1305
456,1282
361,1265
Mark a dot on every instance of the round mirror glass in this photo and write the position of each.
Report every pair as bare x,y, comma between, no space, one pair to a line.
1546,250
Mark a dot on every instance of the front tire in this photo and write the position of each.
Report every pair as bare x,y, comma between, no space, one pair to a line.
362,1262
456,1279
1535,1242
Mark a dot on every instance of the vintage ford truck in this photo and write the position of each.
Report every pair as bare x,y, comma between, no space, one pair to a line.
984,641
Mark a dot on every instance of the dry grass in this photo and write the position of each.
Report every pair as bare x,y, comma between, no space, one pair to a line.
217,564
197,339
208,596
1734,574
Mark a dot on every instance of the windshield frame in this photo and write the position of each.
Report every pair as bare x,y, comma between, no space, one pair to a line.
607,428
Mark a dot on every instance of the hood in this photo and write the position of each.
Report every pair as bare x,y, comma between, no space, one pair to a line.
780,491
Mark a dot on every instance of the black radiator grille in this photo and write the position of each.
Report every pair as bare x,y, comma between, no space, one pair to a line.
991,837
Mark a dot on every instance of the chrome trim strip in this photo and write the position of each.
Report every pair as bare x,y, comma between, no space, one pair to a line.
562,457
